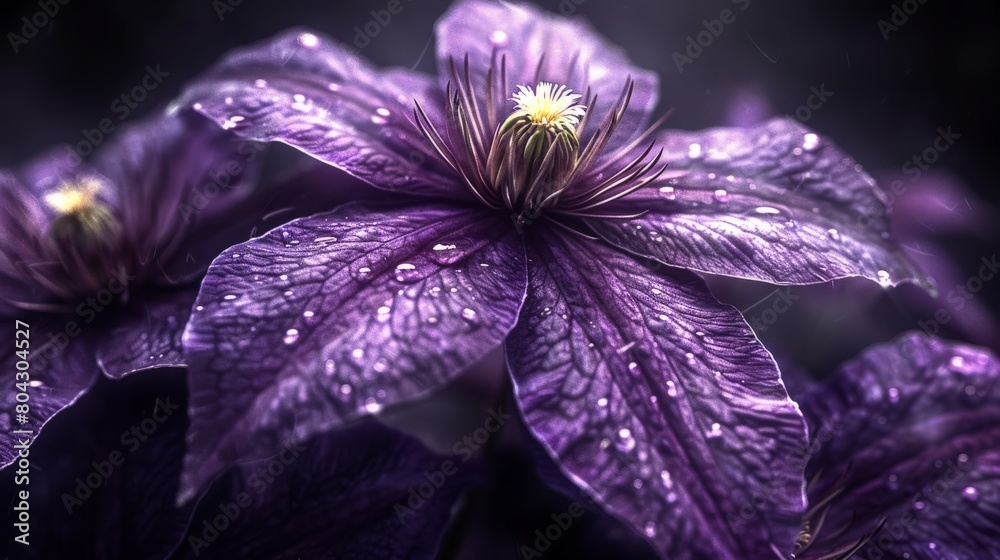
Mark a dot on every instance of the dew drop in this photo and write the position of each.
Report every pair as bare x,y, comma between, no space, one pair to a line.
767,210
970,390
372,406
469,314
834,234
970,493
957,362
694,151
443,247
893,481
721,195
668,192
260,83
229,297
330,367
667,481
358,353
499,38
716,431
605,443
637,484
884,279
797,151
602,402
382,111
291,335
671,389
308,40
650,529
893,395
810,141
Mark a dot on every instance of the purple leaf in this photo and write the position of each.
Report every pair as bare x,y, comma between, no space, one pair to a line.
346,495
659,401
908,434
334,316
309,92
775,203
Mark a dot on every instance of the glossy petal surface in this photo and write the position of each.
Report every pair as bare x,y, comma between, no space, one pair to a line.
570,51
910,433
657,399
334,316
307,91
774,202
345,495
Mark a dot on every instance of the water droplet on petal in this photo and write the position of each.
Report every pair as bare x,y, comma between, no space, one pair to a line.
767,210
499,38
716,431
330,367
346,389
893,395
308,40
957,362
229,297
372,406
884,279
970,493
834,234
357,353
260,83
668,192
602,402
810,141
671,389
291,335
721,195
694,151
650,529
637,484
667,481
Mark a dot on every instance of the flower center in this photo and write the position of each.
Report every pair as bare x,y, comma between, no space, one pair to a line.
85,234
535,150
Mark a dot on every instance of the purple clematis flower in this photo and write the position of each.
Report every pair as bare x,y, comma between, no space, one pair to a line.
533,207
99,260
905,458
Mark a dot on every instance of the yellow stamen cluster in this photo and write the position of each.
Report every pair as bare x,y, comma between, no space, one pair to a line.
549,105
79,198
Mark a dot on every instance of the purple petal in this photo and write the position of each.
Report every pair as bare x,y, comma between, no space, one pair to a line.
107,492
908,433
335,316
309,92
659,400
574,55
774,202
345,495
147,334
61,369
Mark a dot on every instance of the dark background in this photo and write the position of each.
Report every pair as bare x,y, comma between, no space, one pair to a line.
889,98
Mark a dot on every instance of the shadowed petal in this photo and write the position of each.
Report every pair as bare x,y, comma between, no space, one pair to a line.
909,433
61,369
307,91
147,334
343,495
659,400
775,203
334,316
570,51
107,492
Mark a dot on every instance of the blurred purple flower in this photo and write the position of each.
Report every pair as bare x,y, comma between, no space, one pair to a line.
544,225
98,259
905,459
